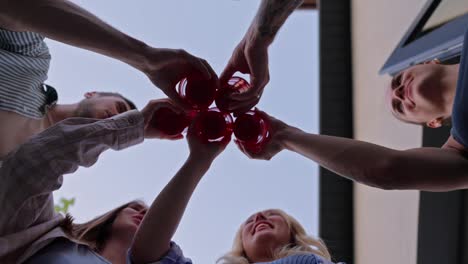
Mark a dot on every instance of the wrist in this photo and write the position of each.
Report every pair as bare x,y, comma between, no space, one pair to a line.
199,161
139,55
255,39
286,136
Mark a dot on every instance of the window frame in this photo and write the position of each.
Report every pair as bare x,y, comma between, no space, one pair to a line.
443,43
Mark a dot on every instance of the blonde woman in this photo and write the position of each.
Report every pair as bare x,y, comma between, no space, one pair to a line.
270,236
273,236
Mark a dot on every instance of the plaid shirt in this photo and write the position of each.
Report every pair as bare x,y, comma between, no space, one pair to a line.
29,175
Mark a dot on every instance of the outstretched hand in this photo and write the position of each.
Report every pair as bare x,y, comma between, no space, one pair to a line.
249,57
166,67
151,131
278,131
200,149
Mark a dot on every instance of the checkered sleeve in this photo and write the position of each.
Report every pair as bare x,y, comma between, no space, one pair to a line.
31,172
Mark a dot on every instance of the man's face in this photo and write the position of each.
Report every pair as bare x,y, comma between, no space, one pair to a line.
416,94
101,106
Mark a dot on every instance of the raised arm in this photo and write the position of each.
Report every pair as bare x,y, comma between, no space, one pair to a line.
271,16
31,172
429,169
66,22
37,166
251,54
152,240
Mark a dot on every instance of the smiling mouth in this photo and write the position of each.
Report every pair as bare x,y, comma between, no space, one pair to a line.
261,226
408,90
137,219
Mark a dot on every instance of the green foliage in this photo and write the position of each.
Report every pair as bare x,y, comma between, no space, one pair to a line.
64,205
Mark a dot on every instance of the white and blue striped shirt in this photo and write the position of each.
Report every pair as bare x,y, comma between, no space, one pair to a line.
24,63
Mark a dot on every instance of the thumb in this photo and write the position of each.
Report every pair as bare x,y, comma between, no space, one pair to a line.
176,137
227,73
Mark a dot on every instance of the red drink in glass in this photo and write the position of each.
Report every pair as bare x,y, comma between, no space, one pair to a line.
198,92
251,130
169,122
235,84
213,125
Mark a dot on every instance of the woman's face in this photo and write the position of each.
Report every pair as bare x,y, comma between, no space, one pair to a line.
266,230
129,219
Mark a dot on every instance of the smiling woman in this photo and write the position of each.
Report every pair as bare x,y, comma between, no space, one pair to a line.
273,235
269,237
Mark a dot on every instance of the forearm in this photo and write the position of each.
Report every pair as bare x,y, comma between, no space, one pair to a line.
352,159
431,169
37,166
271,16
71,143
66,22
163,217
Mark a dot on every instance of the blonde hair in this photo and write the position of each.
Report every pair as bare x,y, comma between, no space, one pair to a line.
97,231
301,244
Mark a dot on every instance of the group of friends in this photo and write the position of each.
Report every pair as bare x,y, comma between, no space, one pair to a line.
41,140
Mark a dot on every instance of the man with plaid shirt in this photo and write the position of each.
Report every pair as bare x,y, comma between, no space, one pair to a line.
35,169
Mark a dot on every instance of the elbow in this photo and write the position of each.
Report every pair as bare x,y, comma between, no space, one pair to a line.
10,16
10,24
6,21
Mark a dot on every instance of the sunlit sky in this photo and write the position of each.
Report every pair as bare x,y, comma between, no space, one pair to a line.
235,186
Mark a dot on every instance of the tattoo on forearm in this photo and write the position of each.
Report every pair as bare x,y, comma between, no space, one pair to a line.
273,13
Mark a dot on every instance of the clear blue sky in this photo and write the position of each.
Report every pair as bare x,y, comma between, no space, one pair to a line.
235,187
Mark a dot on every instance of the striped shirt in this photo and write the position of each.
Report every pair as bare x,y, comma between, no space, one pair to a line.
24,63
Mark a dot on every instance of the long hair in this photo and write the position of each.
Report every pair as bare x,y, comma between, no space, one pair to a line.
301,244
97,231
